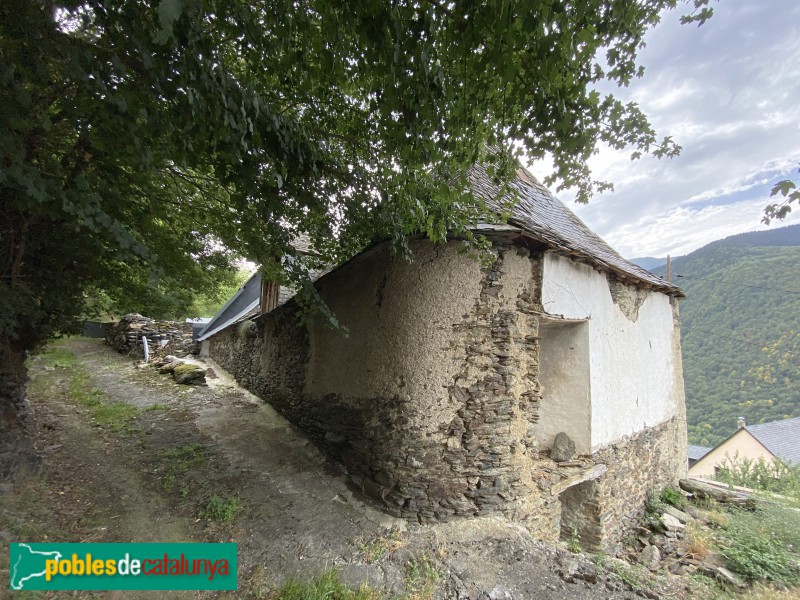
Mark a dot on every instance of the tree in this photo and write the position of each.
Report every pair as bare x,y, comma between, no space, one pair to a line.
142,140
786,188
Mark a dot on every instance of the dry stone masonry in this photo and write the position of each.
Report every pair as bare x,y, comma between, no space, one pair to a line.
164,337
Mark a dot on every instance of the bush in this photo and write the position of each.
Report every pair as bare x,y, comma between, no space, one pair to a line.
774,476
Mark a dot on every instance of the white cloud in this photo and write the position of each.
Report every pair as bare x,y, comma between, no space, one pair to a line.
728,92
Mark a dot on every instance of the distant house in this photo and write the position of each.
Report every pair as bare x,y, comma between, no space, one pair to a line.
778,439
695,453
546,387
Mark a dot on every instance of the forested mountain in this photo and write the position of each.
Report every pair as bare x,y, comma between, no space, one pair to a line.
740,324
649,262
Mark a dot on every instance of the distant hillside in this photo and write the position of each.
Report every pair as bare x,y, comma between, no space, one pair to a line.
649,262
740,325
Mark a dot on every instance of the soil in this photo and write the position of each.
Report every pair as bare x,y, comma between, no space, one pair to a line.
151,478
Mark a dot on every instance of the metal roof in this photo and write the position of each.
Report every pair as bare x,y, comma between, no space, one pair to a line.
242,303
546,218
782,438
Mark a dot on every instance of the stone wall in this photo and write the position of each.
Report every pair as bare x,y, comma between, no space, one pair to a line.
126,336
432,400
604,509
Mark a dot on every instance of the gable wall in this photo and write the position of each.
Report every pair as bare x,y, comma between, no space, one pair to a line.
635,373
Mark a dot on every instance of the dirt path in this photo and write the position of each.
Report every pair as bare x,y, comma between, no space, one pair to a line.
131,456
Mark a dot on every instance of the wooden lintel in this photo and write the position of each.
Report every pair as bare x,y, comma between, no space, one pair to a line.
587,475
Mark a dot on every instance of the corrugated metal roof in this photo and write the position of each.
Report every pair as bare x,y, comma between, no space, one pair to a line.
546,218
697,452
782,438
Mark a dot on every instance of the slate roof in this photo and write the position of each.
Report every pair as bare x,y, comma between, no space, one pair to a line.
537,213
546,218
782,438
697,452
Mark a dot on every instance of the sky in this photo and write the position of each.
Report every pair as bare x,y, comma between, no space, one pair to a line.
729,93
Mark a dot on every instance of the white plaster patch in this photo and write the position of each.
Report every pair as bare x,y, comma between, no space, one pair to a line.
631,363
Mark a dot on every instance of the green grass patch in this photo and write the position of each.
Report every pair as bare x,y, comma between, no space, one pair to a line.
115,416
220,509
54,356
764,545
327,586
673,497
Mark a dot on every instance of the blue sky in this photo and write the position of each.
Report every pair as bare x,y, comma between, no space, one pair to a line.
729,93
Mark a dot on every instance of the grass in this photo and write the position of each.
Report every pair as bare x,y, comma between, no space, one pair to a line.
327,586
387,544
673,497
220,509
178,461
764,545
115,416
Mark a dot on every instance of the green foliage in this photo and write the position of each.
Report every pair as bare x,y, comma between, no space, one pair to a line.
327,586
574,543
774,476
653,509
422,577
221,509
208,302
114,416
673,497
740,322
788,189
142,141
764,545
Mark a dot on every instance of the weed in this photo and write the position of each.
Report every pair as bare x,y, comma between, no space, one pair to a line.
673,497
388,543
702,586
698,540
220,509
183,458
653,509
421,577
156,406
574,543
328,586
761,546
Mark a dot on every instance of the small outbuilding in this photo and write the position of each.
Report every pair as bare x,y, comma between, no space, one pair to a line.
546,387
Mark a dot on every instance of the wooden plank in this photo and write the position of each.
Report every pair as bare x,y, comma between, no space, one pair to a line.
587,475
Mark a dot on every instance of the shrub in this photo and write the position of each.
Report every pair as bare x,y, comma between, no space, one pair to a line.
762,545
673,497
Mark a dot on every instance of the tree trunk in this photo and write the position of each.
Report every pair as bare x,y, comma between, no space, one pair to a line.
16,445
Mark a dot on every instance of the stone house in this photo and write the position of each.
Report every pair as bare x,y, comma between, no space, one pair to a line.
447,396
768,441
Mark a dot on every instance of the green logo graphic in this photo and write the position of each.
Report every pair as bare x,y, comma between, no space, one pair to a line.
123,566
